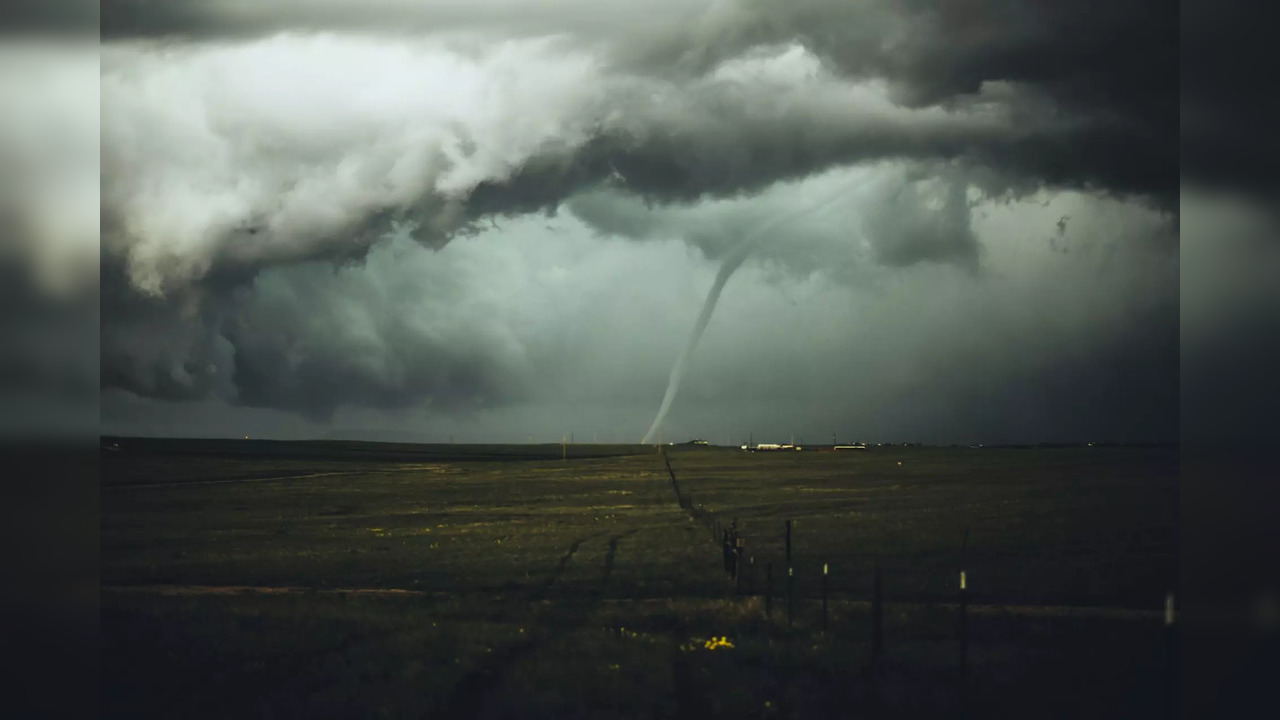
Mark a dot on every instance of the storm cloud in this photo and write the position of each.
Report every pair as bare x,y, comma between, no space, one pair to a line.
358,209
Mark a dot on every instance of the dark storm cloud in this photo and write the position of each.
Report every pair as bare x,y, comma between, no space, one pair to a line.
309,338
751,94
905,230
578,333
766,118
247,175
169,349
1113,67
357,344
1110,69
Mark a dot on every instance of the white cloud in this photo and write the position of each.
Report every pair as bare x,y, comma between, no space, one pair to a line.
267,150
300,146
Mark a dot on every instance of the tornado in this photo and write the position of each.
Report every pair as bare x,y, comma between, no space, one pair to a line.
677,371
731,263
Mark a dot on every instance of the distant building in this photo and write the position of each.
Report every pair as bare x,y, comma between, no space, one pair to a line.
765,447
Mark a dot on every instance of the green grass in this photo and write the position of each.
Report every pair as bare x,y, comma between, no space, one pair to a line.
527,569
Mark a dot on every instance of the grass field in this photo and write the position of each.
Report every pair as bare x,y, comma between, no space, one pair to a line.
258,579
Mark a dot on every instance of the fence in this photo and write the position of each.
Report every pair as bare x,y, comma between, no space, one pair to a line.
740,566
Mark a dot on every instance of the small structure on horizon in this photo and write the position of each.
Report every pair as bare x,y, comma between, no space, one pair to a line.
764,447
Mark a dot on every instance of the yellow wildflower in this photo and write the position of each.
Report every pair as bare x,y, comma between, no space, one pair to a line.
718,642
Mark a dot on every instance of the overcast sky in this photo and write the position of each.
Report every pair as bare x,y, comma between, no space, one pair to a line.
499,220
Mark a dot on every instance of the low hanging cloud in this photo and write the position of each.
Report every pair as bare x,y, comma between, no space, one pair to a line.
261,164
566,331
482,324
895,214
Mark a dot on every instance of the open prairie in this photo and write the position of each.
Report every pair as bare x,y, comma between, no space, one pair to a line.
261,579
